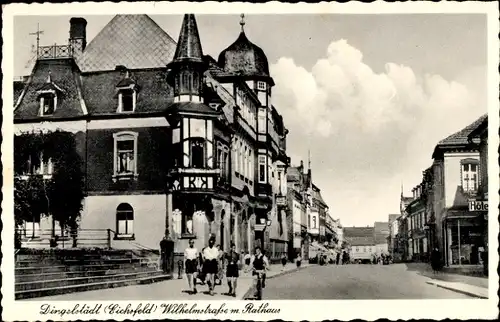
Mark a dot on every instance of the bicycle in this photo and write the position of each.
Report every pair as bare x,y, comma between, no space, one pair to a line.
259,274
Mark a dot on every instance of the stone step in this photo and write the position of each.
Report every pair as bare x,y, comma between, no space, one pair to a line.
23,278
102,261
73,268
34,285
159,276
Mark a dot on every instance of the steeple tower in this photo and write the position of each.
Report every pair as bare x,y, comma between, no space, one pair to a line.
187,67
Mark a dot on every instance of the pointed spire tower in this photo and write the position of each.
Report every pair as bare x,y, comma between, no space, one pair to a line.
187,67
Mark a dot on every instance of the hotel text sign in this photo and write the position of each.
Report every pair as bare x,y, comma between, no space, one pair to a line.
478,205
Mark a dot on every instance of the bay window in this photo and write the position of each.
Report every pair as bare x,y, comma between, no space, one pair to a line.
198,137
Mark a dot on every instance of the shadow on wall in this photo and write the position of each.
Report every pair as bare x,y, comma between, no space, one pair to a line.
461,198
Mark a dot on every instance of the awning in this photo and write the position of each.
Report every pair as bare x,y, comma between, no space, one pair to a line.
462,214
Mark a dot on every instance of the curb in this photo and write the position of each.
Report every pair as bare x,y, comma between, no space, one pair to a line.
250,289
457,290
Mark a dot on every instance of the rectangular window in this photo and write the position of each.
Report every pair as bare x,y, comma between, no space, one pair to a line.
261,85
469,176
125,154
245,163
262,123
197,153
127,101
124,220
262,169
48,104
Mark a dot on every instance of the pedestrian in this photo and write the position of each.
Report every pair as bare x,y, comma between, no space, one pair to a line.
435,260
210,254
220,263
338,258
232,270
299,260
247,258
191,264
201,271
283,262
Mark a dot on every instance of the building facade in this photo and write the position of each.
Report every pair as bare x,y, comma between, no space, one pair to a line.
361,241
393,232
457,179
381,233
174,143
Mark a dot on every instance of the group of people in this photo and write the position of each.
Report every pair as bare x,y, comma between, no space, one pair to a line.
208,264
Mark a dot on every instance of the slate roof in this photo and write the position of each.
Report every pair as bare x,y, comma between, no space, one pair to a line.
192,107
133,41
381,230
100,93
188,45
18,89
66,75
245,59
293,174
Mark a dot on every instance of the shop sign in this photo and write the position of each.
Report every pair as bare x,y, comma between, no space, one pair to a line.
280,200
478,205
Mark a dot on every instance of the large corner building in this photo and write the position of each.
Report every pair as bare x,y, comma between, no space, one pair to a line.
173,141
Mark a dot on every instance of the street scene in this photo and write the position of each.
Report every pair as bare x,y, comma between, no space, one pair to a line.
322,161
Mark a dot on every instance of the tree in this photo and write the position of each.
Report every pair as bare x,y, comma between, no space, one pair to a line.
61,195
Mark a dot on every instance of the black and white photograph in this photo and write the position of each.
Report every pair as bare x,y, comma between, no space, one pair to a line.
222,161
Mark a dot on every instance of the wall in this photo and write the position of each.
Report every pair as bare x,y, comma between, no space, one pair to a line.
152,160
452,178
99,212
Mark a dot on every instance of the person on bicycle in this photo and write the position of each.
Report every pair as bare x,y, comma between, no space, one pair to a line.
259,266
191,258
211,254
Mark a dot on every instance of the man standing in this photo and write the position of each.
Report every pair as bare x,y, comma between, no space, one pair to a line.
232,270
191,260
211,253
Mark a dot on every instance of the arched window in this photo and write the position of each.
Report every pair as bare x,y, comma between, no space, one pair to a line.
124,220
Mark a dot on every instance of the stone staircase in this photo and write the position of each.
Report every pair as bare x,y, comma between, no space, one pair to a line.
41,273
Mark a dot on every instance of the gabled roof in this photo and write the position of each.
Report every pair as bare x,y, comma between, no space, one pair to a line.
360,241
479,130
133,41
66,75
459,138
357,232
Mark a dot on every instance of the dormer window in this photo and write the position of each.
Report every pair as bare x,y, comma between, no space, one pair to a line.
47,104
127,94
47,95
127,100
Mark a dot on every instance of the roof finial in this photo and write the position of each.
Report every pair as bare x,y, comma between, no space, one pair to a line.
242,22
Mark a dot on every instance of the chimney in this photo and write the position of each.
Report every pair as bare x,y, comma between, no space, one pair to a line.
78,35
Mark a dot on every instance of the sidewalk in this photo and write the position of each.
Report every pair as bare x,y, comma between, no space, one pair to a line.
468,285
174,289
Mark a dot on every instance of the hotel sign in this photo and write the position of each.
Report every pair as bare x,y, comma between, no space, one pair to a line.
478,205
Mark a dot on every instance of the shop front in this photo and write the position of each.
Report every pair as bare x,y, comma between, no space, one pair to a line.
464,238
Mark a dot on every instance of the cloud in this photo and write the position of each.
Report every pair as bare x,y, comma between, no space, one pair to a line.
367,130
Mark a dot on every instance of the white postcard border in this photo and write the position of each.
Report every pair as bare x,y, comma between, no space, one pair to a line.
289,310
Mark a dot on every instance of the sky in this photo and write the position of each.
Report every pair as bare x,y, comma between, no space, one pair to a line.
369,95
